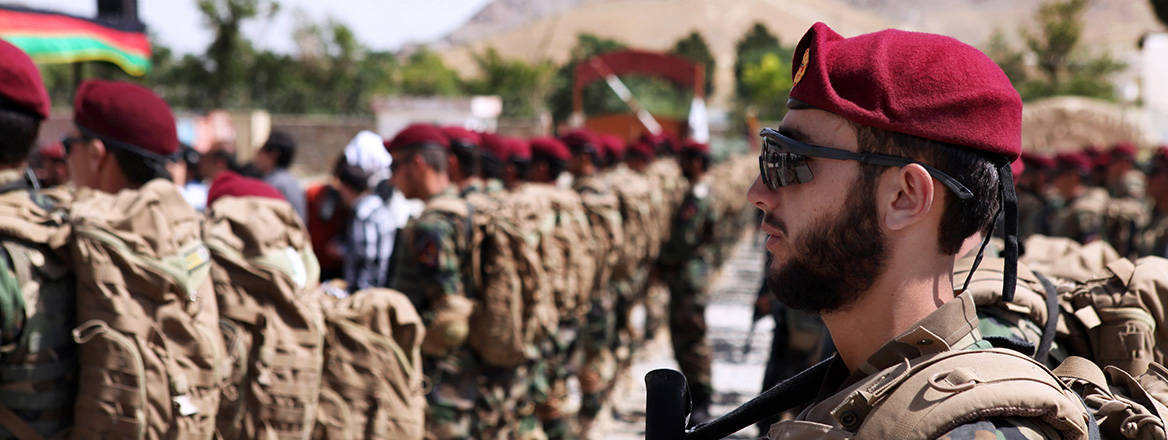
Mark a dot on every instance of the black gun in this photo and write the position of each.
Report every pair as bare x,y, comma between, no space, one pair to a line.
668,406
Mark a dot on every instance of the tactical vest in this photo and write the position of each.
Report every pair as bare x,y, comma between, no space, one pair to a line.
38,359
930,395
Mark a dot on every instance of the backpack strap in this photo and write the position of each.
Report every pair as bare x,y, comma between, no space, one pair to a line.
1052,314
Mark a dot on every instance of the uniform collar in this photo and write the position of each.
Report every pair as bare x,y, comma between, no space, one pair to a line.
12,175
953,326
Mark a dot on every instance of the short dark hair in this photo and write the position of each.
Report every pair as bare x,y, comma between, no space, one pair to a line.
434,156
18,134
137,168
224,155
977,171
351,176
555,165
468,160
283,145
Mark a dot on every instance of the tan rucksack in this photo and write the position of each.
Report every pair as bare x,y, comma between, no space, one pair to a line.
151,354
266,279
568,256
38,366
506,320
373,378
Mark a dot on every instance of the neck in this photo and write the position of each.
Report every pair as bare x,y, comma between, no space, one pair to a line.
906,292
436,184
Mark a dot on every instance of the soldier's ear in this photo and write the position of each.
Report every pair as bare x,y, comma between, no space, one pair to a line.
908,195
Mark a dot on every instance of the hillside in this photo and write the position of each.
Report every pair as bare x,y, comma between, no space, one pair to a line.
546,29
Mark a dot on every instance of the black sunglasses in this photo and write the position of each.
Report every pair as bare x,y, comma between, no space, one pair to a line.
783,162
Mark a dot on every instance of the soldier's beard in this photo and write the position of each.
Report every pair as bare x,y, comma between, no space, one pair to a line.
835,262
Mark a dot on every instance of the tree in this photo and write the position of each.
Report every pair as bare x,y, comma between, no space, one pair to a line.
757,42
229,52
425,74
523,87
1061,67
769,81
695,49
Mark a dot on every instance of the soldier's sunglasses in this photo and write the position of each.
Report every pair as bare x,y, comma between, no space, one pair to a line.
783,162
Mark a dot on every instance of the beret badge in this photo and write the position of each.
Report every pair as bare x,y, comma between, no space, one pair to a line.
802,68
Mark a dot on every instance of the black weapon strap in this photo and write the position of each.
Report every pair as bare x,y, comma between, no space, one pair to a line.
788,394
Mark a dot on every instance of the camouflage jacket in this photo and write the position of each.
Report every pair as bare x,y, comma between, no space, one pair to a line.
1080,218
429,259
692,231
1153,239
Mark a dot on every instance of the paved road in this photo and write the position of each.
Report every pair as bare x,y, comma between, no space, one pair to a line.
736,379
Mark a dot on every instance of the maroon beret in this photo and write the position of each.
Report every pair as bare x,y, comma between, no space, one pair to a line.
1037,161
127,113
696,147
21,87
231,184
1017,168
614,146
52,151
459,135
1073,162
641,148
418,135
496,145
517,149
552,147
925,85
582,140
1123,149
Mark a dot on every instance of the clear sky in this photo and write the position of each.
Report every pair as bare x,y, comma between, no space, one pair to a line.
379,24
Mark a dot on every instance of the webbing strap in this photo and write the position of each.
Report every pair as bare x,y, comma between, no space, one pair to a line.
19,428
1010,205
1052,314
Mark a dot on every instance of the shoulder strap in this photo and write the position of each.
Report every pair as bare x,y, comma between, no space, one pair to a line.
1052,315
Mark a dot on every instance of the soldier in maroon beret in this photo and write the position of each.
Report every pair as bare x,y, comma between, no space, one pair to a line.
587,156
549,158
465,146
518,162
1033,183
1120,175
895,150
614,149
1153,240
123,136
229,183
36,284
638,155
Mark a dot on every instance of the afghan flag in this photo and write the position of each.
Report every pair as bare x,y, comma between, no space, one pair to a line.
56,38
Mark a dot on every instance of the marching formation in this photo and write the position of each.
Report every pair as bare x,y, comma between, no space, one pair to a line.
131,312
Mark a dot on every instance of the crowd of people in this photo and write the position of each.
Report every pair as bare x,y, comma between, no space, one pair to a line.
443,282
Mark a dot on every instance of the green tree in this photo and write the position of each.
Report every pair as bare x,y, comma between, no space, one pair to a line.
1061,67
523,87
587,46
694,48
757,42
229,53
769,81
424,74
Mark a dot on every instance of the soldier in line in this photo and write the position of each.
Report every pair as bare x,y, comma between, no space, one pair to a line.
1077,208
1032,185
599,329
1121,178
685,266
464,167
492,156
428,269
1154,239
871,247
33,264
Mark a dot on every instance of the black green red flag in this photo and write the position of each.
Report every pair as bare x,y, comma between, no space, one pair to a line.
57,38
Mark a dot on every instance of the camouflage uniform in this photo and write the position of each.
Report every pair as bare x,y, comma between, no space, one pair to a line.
475,187
1132,184
1153,240
1080,218
685,265
599,330
1033,214
37,308
468,398
951,327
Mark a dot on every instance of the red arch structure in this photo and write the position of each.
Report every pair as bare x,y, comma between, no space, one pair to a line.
676,69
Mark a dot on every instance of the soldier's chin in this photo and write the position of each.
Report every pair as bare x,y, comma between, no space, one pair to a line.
803,288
